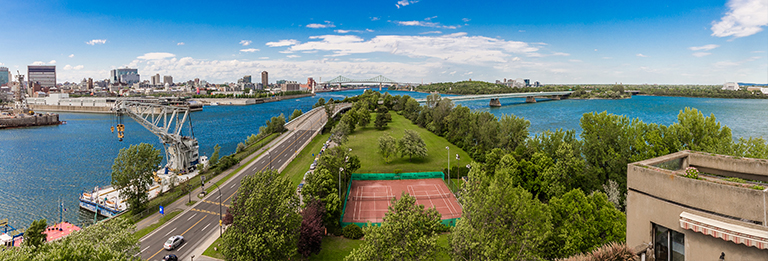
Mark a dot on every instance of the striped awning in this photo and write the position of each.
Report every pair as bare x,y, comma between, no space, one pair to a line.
725,231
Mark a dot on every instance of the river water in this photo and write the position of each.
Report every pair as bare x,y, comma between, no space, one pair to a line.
41,165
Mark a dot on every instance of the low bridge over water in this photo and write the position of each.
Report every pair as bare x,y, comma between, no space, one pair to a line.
529,97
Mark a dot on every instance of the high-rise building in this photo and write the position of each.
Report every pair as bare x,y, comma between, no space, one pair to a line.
125,75
156,79
247,79
5,76
264,79
527,82
90,83
168,79
44,75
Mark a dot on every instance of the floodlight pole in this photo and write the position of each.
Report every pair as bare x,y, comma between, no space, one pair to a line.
340,170
449,163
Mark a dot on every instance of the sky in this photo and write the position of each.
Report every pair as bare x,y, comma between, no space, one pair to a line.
553,42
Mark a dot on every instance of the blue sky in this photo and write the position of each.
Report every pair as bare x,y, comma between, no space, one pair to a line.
678,42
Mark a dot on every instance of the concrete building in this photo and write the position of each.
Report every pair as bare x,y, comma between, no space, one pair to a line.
168,79
125,75
45,75
156,79
711,217
90,83
5,76
264,80
731,86
289,86
247,79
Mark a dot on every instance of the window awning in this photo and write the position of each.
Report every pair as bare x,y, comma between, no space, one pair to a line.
725,231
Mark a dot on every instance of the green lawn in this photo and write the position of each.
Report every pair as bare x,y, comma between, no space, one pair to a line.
335,248
143,232
296,169
364,144
214,253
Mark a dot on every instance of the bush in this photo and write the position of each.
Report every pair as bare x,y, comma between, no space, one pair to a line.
352,231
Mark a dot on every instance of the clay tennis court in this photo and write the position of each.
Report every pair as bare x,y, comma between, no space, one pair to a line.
369,200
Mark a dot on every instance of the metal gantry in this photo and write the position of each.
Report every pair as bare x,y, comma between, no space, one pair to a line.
378,79
167,122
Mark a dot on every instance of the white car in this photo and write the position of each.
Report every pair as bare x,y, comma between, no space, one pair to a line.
173,242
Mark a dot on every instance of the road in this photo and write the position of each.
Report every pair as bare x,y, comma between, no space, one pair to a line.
202,220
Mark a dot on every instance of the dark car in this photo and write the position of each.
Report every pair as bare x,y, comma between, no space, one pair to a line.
170,258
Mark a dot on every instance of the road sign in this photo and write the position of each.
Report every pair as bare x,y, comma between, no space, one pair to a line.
162,211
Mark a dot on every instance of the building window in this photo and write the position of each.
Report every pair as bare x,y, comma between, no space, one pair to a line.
668,245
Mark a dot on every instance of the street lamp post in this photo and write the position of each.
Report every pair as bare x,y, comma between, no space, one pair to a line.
219,189
449,163
340,170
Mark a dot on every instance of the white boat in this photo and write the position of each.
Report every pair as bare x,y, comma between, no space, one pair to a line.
214,104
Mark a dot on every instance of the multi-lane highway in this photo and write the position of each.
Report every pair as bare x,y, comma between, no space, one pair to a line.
202,220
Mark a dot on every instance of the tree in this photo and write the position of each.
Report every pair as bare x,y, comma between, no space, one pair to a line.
34,235
265,225
349,120
324,183
339,133
113,240
133,171
696,132
432,100
582,223
412,145
387,146
408,232
609,252
382,119
363,117
513,131
501,221
215,156
312,229
296,113
320,102
329,108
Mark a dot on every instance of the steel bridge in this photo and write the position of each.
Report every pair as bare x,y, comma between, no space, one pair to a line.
339,80
529,97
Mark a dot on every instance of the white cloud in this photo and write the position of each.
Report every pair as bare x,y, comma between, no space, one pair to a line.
96,41
575,61
52,62
375,18
1,64
430,18
180,43
264,58
466,19
454,48
701,54
328,24
67,67
245,42
560,54
703,48
249,50
281,43
38,63
758,51
70,67
744,18
432,32
339,31
78,67
722,64
521,31
426,24
641,55
293,56
402,3
155,56
71,55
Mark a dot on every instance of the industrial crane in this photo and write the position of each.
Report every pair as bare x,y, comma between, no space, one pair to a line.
167,122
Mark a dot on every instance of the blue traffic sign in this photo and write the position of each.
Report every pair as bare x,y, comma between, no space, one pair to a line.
161,210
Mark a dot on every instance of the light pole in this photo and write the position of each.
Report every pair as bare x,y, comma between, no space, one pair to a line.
340,170
458,171
217,188
449,163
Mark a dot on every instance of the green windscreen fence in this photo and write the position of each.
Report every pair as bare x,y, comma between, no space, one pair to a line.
392,176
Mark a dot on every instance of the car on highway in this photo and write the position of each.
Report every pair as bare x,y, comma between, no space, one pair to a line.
170,258
173,242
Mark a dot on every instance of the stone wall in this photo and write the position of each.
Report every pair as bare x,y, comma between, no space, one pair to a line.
30,120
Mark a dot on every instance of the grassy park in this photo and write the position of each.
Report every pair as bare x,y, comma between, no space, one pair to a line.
364,144
300,165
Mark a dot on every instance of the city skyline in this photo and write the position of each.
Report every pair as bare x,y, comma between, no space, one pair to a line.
696,42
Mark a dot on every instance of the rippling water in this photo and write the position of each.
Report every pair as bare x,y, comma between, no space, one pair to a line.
41,165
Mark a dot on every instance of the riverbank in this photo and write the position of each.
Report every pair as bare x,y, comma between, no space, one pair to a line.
247,101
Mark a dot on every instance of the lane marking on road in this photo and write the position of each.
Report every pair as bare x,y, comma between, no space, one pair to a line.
161,249
169,232
193,215
216,203
182,246
204,211
145,249
206,226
